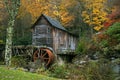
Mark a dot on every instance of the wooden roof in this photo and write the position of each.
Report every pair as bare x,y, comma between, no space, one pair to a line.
53,22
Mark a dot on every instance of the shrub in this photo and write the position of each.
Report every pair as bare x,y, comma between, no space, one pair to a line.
58,71
18,61
114,31
25,40
42,71
82,46
101,70
96,70
108,42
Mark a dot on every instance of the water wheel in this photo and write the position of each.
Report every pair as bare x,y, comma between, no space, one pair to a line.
45,55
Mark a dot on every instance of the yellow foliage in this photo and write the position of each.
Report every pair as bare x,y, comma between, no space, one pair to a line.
55,13
50,8
87,21
95,18
94,11
97,28
84,12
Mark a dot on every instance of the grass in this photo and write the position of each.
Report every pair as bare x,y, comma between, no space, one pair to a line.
7,74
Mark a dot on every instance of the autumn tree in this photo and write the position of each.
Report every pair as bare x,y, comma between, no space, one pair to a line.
79,26
61,11
34,7
55,8
1,10
114,15
116,10
3,20
12,9
94,13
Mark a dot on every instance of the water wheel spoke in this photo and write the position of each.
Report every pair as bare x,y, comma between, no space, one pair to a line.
44,54
40,52
37,53
46,58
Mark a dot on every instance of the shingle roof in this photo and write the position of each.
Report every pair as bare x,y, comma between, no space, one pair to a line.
54,23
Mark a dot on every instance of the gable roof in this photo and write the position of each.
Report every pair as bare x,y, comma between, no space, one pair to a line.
52,21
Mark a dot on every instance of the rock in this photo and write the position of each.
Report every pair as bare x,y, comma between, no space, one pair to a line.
26,70
32,70
83,62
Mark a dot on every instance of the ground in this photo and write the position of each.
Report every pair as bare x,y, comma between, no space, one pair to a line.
11,74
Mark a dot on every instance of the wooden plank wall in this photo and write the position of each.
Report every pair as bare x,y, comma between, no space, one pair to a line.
63,40
59,39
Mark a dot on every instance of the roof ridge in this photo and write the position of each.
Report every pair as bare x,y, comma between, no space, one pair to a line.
54,22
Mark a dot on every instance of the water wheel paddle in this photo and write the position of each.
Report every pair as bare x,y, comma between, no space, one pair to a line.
45,55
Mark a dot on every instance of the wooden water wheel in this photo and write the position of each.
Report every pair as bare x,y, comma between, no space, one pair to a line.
45,55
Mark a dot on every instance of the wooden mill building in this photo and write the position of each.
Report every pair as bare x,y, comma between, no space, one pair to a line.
49,32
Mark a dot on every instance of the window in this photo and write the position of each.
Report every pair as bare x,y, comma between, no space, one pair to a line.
48,30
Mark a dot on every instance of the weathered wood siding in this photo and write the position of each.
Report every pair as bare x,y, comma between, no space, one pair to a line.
45,34
42,34
63,41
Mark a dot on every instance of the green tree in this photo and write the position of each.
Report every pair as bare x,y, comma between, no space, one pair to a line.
12,7
114,31
22,30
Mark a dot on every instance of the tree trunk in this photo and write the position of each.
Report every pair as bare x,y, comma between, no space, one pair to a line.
8,49
12,7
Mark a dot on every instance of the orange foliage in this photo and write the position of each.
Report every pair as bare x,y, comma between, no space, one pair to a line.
34,7
100,36
56,9
108,23
113,17
2,10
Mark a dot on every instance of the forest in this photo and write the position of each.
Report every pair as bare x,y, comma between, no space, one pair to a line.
96,23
